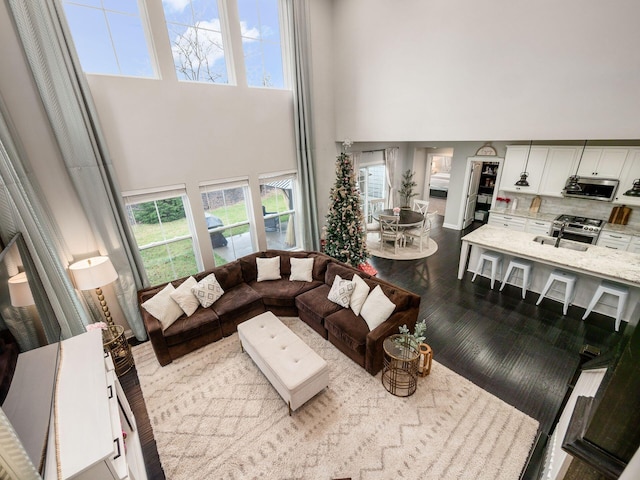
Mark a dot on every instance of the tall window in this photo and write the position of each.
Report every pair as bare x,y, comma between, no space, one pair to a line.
278,197
163,229
371,180
261,42
227,210
197,35
109,37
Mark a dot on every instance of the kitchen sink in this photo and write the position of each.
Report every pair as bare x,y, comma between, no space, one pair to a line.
579,247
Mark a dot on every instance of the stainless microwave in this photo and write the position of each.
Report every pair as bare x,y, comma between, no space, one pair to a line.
591,188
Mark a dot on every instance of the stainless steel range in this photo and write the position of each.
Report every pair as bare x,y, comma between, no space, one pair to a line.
578,229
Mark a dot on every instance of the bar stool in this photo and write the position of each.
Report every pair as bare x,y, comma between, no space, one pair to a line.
569,280
496,261
519,264
614,289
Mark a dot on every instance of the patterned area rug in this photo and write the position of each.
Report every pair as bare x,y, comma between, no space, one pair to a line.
410,252
214,415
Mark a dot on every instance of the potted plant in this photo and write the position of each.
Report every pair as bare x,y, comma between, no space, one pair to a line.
412,340
406,190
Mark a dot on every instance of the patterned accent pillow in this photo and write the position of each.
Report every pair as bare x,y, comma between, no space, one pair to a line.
207,290
341,291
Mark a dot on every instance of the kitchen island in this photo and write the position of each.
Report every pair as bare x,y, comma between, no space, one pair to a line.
591,266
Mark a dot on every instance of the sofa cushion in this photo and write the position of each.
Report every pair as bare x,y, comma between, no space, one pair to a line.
341,291
397,296
350,329
301,269
235,306
359,295
185,298
282,292
163,307
320,263
185,328
377,308
268,269
208,290
333,269
229,275
315,305
248,266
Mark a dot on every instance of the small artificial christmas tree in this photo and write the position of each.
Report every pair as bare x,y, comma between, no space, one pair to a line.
345,236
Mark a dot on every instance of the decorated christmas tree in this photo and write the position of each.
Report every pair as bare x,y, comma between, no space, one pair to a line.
345,236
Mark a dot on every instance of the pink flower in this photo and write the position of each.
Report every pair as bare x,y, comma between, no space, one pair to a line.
96,326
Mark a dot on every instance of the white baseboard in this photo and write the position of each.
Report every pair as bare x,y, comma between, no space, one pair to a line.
451,226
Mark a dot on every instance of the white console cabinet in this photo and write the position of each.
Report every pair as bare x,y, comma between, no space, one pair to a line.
91,417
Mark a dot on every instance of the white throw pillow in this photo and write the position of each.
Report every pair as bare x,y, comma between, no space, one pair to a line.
359,294
301,269
185,298
341,291
377,308
207,290
163,307
268,268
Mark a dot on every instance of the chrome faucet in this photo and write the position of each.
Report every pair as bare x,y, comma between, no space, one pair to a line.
560,234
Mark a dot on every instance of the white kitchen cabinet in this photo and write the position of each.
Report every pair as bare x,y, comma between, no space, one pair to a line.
516,162
634,245
617,241
603,162
539,227
92,414
511,222
560,165
630,172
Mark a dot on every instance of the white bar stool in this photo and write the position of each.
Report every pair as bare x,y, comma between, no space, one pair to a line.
496,261
569,280
614,289
519,264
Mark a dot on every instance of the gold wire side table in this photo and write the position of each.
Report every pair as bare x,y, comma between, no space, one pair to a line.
116,344
400,367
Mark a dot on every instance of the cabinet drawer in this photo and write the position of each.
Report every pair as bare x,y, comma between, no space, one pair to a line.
507,221
538,227
617,241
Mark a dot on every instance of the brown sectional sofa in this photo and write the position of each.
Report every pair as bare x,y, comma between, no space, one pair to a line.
245,298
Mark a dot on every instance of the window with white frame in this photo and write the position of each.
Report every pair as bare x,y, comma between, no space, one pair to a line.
162,225
279,210
262,42
227,209
109,37
371,181
198,35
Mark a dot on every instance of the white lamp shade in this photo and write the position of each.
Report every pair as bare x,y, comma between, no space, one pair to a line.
19,291
93,272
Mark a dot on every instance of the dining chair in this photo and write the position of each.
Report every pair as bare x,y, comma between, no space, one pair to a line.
390,231
420,206
375,206
421,233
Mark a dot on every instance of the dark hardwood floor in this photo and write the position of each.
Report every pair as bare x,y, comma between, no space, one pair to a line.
524,354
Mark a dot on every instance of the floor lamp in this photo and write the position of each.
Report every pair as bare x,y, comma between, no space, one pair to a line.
96,272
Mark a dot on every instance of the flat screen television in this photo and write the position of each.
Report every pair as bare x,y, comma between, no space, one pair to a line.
29,348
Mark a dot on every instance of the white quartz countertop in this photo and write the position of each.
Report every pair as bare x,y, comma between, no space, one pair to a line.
601,262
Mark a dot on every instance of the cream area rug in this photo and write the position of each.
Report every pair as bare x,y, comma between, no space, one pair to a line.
215,416
410,252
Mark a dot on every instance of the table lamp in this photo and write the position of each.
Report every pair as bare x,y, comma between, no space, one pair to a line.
96,272
19,291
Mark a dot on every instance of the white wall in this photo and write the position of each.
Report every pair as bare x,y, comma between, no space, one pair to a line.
493,70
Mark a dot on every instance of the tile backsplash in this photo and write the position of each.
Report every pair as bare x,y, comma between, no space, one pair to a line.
572,206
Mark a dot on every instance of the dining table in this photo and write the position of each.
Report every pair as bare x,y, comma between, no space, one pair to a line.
408,218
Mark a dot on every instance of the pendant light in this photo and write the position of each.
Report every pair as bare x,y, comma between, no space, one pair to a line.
523,176
635,190
573,185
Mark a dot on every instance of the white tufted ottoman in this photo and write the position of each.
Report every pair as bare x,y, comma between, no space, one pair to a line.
295,371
